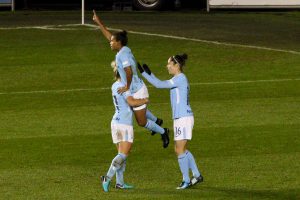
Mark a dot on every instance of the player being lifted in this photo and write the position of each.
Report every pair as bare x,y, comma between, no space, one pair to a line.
122,133
126,65
182,115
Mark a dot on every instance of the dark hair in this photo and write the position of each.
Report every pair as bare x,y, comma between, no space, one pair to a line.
180,59
122,37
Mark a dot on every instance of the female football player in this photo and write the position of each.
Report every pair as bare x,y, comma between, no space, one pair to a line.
122,132
126,66
182,115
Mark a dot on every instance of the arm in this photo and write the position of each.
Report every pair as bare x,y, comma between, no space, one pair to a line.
136,102
128,79
158,83
147,74
103,29
128,71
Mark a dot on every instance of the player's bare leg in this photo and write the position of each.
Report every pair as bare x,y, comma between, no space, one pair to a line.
140,116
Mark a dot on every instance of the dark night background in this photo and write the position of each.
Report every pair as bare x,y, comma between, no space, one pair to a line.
95,4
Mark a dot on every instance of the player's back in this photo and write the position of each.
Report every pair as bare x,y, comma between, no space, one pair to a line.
123,112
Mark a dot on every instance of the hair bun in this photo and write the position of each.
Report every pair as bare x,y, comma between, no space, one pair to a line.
184,56
124,33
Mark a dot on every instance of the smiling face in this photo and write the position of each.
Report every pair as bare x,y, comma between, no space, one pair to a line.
173,68
114,44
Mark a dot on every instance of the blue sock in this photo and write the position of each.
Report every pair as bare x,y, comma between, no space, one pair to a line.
116,164
152,126
193,165
184,166
120,173
150,116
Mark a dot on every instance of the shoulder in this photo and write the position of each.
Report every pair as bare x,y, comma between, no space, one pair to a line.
179,78
116,85
123,55
124,50
183,77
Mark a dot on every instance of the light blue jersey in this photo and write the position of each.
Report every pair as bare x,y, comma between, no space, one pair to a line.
179,93
125,58
123,112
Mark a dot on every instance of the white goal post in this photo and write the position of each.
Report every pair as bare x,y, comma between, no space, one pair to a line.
8,3
82,11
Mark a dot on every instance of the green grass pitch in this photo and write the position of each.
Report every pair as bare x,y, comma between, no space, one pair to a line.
56,106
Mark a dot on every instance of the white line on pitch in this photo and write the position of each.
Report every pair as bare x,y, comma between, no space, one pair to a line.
211,42
108,88
57,27
203,41
249,81
55,91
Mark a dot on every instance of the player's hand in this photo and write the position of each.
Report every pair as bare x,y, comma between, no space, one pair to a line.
140,68
121,90
146,69
96,18
146,101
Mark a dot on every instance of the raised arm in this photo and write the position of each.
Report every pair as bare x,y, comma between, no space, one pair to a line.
103,29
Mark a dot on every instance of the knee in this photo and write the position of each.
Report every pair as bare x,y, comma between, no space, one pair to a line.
142,123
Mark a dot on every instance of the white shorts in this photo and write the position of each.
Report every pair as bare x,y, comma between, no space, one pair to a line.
183,128
121,133
141,94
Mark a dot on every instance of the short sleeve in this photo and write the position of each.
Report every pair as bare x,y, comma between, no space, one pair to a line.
124,60
126,94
